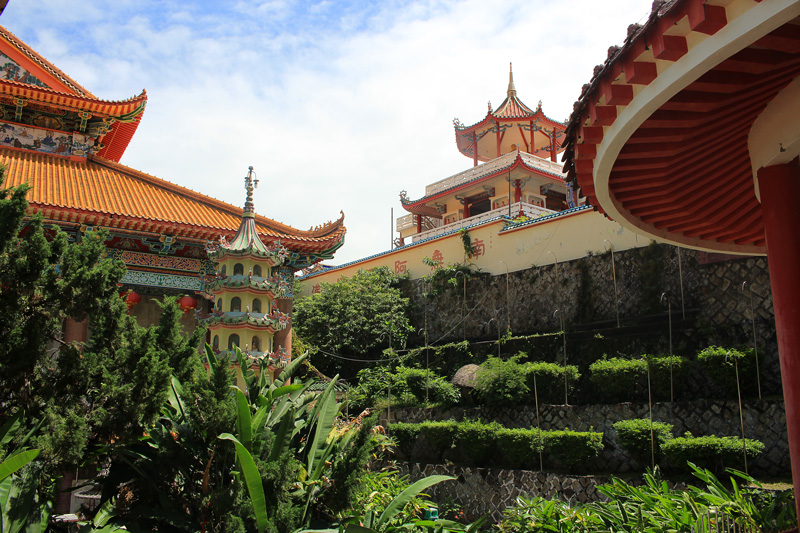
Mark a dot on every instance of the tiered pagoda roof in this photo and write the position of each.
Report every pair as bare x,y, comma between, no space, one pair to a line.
520,127
101,192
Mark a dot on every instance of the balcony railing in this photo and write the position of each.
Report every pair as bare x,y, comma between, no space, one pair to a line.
526,209
491,167
410,221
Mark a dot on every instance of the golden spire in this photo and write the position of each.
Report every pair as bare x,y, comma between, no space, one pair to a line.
512,91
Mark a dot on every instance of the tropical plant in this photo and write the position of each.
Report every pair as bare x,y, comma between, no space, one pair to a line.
24,506
550,380
503,382
411,387
712,452
722,365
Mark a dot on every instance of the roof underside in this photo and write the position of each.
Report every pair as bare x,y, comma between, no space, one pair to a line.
685,172
100,192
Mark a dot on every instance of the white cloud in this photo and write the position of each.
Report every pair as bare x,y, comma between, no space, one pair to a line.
338,105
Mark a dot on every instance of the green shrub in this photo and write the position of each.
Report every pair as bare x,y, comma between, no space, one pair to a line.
502,383
405,435
477,440
620,380
634,437
572,448
660,375
625,380
410,387
441,436
550,380
711,452
720,366
520,447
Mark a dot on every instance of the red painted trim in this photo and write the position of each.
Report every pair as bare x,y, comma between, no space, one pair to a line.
640,73
706,18
669,47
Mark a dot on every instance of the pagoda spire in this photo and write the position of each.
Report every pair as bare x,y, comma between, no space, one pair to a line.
512,90
250,183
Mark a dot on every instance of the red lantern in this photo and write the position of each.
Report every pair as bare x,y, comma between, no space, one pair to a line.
187,304
132,299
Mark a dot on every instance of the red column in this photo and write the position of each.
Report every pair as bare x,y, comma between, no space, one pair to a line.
497,136
553,157
466,209
283,338
517,191
475,153
419,223
780,189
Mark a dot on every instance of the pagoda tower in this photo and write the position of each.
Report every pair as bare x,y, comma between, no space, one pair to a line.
511,127
249,282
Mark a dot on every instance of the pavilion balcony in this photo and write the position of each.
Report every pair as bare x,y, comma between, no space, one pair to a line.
530,210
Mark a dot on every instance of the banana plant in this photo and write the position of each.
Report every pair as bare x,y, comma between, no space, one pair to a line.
20,504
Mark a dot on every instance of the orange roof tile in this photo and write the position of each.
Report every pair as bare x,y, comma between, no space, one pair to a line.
104,193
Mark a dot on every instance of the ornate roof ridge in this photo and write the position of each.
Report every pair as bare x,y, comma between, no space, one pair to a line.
90,98
44,63
334,229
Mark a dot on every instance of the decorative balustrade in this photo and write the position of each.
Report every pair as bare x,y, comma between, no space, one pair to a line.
491,167
514,210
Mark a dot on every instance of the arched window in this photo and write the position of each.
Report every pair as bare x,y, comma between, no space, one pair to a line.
256,344
224,270
238,269
219,304
256,305
233,340
215,345
257,270
236,304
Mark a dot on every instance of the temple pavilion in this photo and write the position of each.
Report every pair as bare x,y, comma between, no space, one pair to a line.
689,133
66,144
515,173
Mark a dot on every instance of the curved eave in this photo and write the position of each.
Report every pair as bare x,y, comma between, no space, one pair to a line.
72,102
419,206
659,139
465,135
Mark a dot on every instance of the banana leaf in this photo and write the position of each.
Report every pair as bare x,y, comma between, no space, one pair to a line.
252,480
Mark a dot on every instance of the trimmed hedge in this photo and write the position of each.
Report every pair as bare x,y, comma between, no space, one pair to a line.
634,437
550,381
711,452
480,444
625,380
720,366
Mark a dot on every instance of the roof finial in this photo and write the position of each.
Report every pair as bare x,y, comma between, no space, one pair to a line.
512,91
250,183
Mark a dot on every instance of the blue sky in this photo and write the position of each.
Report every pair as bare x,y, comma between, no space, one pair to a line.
338,105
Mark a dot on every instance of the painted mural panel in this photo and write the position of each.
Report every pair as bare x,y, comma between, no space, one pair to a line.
12,71
47,141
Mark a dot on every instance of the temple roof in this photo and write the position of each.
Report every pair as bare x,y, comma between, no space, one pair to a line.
100,192
33,79
520,128
501,166
658,138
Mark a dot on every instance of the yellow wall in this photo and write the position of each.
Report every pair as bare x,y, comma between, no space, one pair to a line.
245,338
247,264
568,237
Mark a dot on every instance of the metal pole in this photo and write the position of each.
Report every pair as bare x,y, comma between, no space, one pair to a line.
680,276
563,332
538,425
508,306
463,305
741,416
650,404
614,276
669,321
391,229
755,340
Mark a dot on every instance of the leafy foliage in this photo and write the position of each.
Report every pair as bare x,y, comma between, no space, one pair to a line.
720,365
621,379
712,452
635,437
550,380
502,383
356,316
410,387
654,506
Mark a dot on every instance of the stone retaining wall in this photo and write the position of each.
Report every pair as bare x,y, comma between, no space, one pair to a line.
490,490
764,420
